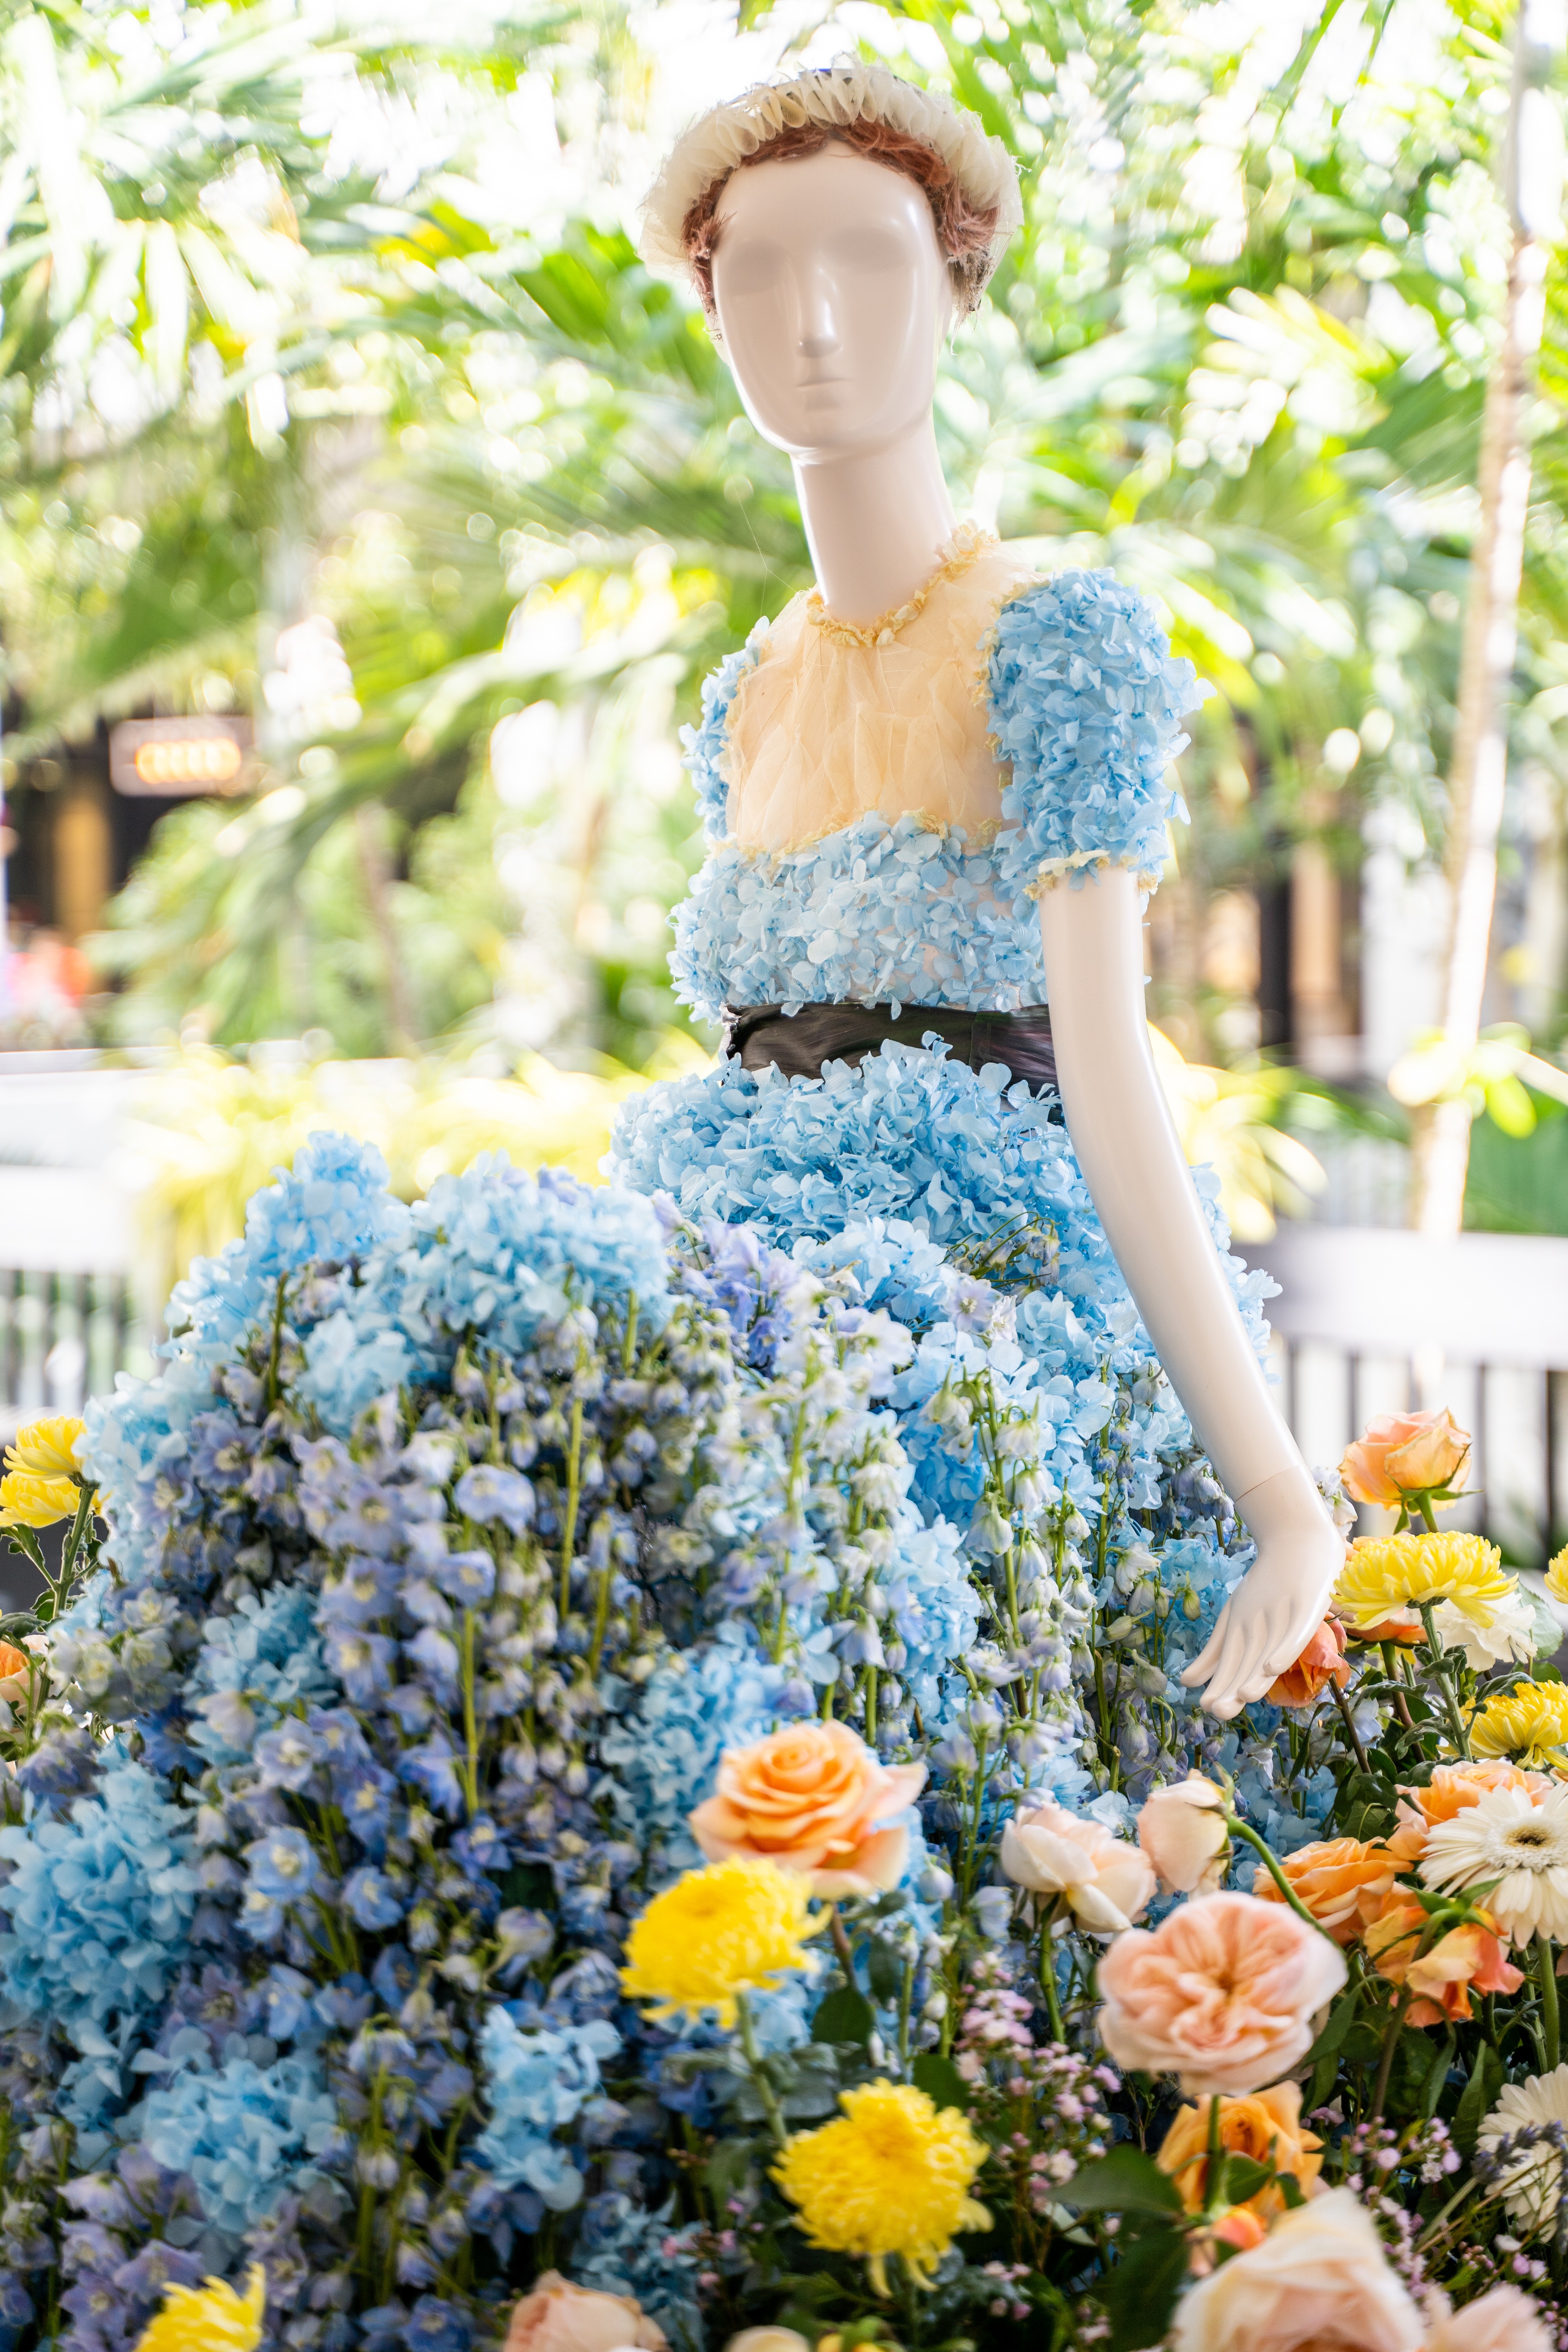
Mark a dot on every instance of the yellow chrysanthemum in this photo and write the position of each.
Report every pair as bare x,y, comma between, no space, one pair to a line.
1557,1576
210,2318
30,1501
46,1448
890,2176
733,1927
1529,1721
1386,1574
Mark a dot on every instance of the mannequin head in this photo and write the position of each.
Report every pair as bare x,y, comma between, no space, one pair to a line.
833,295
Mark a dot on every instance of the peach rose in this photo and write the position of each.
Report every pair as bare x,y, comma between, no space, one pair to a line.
1182,1831
1342,1882
1405,1453
1222,1993
1322,1660
1466,1958
1237,2226
14,1664
1504,2319
810,1798
556,2316
1268,2126
1319,2283
1453,1786
1106,1880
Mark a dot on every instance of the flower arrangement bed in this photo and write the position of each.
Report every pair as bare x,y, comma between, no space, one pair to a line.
579,1785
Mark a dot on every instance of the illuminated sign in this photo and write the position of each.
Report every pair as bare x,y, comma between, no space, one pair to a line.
179,758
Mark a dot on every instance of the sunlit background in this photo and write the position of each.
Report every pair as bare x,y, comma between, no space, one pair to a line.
371,516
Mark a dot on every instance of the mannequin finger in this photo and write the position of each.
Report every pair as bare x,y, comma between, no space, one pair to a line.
1220,1697
1202,1666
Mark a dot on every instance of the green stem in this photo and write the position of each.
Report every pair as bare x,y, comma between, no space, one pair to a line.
1213,2171
1249,1836
1350,1732
574,1491
1048,1976
765,2091
1546,1973
1385,2060
1450,1704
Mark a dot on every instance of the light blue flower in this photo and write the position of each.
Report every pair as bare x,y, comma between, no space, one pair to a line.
98,1904
245,2134
536,2084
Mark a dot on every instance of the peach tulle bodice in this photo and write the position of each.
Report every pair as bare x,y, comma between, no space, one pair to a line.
836,721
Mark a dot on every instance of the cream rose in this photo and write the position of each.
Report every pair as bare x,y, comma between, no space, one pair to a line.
556,2316
1320,2280
1222,1993
1106,1880
812,1798
1504,2319
1181,1830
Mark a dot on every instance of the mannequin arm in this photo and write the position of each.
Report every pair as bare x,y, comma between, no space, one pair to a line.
1123,1133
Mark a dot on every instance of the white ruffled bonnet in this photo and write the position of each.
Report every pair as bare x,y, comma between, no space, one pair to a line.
848,90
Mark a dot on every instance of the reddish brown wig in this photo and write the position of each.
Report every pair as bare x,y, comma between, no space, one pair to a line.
963,232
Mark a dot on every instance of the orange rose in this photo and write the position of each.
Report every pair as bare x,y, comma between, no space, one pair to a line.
1342,1882
1453,1786
1405,1453
1444,1976
811,1798
1406,1629
14,1666
1268,2126
1322,1660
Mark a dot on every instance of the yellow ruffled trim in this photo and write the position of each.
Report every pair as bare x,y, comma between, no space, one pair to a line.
1056,869
965,548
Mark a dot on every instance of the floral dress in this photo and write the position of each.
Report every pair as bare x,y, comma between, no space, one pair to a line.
884,806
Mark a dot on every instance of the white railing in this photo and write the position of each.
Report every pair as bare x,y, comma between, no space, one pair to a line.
1371,1319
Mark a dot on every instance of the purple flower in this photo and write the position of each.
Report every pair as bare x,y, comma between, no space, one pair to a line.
488,1493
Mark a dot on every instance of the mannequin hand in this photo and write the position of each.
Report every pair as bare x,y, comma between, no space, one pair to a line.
1268,1622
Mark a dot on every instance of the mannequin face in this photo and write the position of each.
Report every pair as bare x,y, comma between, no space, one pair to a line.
832,299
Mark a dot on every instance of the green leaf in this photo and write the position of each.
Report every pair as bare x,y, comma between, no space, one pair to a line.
1442,2059
845,2016
941,2081
727,2168
885,1970
1125,2181
1340,2020
1142,2290
1290,2189
1244,2177
1478,2098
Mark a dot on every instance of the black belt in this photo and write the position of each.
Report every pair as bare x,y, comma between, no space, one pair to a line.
800,1043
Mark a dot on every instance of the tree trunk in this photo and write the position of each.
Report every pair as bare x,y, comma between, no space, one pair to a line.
1479,765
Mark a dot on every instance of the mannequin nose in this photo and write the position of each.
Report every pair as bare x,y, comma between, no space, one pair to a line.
818,335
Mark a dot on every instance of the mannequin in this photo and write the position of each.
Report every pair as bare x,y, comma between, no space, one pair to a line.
832,295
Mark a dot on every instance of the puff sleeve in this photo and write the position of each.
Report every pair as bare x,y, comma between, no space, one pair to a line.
1086,704
705,746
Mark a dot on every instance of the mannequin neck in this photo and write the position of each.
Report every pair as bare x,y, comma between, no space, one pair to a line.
875,523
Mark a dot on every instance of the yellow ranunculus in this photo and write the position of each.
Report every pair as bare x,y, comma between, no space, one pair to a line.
1530,1722
30,1501
890,2176
1386,1574
47,1448
734,1928
209,2319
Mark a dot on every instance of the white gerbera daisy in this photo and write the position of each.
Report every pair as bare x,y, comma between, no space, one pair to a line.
1517,1849
1510,1635
1530,2185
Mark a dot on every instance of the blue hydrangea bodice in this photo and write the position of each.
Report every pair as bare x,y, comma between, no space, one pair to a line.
1081,702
